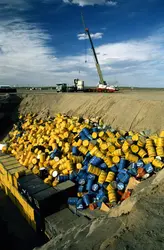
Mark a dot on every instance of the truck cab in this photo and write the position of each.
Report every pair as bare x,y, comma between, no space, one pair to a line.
61,87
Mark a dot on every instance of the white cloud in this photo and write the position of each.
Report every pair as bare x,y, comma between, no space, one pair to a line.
19,5
84,36
26,59
91,2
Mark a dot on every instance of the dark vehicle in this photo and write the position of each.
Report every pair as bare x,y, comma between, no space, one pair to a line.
7,89
61,87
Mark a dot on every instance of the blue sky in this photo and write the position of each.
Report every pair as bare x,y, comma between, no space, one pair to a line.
42,42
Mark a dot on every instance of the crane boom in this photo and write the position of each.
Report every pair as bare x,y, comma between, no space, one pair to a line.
94,53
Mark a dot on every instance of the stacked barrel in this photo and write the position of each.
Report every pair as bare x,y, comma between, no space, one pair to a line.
97,158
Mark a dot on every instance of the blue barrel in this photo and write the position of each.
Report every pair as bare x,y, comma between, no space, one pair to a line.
140,164
95,187
72,201
72,176
87,133
92,194
123,171
95,161
91,176
79,204
81,182
105,184
80,189
103,166
86,199
85,168
99,203
149,168
122,164
63,178
83,136
114,169
75,151
89,184
81,174
120,186
132,171
124,178
95,129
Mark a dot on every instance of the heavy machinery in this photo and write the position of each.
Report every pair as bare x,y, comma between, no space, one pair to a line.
102,86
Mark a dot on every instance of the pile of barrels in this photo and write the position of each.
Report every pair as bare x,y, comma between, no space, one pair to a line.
100,160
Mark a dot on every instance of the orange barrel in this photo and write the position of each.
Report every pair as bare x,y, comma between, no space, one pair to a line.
102,177
116,159
142,153
160,151
151,151
160,142
157,163
134,148
110,134
117,152
110,177
140,172
94,170
148,160
131,157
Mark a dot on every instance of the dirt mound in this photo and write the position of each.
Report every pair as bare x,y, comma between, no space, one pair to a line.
130,110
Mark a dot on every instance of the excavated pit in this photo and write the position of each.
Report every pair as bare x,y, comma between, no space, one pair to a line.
138,222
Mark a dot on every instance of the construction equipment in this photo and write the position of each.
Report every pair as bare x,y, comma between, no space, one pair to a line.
102,86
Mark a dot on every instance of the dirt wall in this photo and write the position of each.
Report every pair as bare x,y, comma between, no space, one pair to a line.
130,110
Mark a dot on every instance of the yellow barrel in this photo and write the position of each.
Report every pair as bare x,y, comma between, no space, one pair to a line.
102,135
148,160
131,133
160,151
79,166
125,148
94,170
83,150
117,144
116,159
160,142
102,177
85,143
65,172
108,161
94,135
161,133
134,148
42,157
142,153
110,177
149,142
117,152
151,151
35,170
91,146
131,157
109,188
111,148
104,146
141,142
157,163
110,134
135,137
112,196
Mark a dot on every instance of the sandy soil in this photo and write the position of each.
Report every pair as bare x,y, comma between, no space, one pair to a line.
130,110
